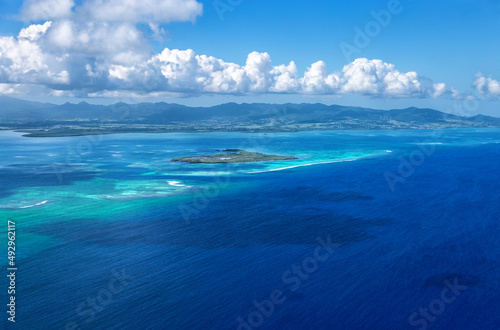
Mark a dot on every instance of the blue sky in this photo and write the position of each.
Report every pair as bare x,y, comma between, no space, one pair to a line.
419,53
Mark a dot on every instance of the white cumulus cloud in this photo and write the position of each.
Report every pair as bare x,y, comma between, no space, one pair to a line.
488,87
134,11
143,11
285,78
86,44
117,42
317,80
375,77
440,89
23,59
34,10
184,71
34,32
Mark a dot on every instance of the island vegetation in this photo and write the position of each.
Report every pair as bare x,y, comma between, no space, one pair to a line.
232,156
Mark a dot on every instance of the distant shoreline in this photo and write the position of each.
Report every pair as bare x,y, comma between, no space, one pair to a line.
89,131
49,120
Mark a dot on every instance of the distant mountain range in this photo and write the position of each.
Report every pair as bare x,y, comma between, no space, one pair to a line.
72,119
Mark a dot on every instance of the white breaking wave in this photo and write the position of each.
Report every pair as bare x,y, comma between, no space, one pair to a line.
34,205
176,183
302,165
317,163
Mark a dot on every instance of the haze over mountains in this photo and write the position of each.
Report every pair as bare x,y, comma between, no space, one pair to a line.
19,114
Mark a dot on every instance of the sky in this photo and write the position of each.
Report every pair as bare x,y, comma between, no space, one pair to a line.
380,54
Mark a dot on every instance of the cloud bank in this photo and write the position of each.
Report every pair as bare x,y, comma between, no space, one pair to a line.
96,49
94,58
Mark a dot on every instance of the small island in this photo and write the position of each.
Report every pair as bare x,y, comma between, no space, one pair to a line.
232,156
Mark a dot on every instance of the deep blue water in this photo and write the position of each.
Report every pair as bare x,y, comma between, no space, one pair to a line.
393,253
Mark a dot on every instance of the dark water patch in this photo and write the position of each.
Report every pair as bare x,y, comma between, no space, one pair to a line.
23,176
348,196
305,194
217,231
325,195
128,174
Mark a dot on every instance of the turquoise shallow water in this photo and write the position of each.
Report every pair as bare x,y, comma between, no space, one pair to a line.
95,171
203,242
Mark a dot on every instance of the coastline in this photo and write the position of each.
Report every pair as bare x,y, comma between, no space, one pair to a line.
89,131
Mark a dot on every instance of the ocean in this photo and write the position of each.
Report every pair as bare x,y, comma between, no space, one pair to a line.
365,230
